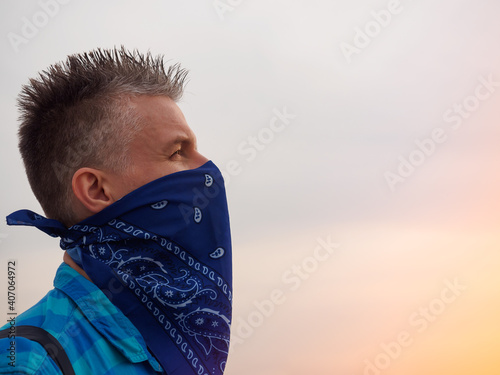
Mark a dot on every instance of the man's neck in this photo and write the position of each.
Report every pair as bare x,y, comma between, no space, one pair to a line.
70,262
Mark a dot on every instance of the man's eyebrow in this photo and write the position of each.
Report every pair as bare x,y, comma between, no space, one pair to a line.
182,138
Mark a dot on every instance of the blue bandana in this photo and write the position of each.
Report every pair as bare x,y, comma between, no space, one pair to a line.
162,254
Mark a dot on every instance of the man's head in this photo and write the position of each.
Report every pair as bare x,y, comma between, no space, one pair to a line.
100,125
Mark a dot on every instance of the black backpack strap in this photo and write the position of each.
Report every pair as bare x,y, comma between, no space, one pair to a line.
49,342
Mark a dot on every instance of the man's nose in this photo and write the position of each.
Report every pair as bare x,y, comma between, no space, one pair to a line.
197,160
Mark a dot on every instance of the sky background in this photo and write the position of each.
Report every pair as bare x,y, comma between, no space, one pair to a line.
412,285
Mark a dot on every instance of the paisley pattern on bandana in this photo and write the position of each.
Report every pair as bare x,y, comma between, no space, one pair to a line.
162,254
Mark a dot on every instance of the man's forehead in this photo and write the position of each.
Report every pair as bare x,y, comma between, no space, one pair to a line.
162,116
146,103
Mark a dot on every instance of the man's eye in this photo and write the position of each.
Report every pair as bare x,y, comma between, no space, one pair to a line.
178,152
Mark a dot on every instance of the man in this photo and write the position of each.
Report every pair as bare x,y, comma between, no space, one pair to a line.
145,286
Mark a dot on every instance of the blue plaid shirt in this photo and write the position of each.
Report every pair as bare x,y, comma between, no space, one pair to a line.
97,337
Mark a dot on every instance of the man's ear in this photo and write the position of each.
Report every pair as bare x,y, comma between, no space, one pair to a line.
92,189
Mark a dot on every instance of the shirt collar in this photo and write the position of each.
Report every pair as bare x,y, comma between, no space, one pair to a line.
104,316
